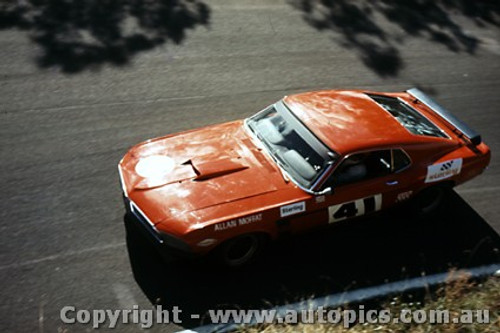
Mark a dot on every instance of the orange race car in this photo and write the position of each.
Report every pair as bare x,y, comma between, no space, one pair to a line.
308,160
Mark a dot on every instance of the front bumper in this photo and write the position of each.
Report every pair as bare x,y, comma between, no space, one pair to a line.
165,243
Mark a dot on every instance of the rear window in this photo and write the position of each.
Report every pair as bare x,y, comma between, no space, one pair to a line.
410,118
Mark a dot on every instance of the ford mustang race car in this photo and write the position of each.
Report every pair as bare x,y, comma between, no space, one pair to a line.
310,159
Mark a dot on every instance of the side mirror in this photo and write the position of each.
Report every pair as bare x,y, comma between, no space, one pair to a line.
326,191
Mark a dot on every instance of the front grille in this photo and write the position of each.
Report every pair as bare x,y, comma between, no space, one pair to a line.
145,222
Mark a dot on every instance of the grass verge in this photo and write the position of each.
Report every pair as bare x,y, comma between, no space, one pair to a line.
460,298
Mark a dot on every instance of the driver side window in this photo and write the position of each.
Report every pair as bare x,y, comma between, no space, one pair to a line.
362,166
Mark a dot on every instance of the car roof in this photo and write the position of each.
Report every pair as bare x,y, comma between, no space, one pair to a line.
349,120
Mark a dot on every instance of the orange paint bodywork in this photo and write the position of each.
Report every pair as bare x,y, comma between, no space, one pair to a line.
221,183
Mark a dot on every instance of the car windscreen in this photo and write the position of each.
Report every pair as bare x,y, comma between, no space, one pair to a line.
407,116
292,145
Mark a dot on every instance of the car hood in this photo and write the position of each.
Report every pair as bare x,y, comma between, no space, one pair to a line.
186,172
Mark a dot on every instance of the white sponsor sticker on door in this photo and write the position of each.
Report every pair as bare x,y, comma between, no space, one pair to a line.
443,170
292,209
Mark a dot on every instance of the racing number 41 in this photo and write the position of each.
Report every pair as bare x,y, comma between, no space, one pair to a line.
354,208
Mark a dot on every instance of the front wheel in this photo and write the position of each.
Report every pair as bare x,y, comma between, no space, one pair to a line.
241,250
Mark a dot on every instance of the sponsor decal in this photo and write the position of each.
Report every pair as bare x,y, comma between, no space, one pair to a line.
404,196
443,170
238,222
293,209
354,208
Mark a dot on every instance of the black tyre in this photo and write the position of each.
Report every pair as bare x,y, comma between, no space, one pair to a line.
240,251
430,199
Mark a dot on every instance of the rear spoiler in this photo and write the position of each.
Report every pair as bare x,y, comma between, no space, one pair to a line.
472,135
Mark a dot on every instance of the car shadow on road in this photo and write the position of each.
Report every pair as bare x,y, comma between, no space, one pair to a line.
388,247
377,30
75,35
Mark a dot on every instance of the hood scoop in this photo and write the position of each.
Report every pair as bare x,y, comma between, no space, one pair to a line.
207,169
198,168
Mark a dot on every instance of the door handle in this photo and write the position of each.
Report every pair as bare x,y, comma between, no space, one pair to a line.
392,182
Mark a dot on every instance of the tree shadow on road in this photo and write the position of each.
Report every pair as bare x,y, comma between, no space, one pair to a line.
77,34
385,248
376,30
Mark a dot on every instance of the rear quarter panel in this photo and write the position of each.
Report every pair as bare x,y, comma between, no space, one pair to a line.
472,160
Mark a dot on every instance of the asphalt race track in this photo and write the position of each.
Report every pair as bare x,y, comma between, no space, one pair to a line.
69,111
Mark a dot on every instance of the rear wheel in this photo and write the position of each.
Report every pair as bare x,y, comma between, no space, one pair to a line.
241,250
430,199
